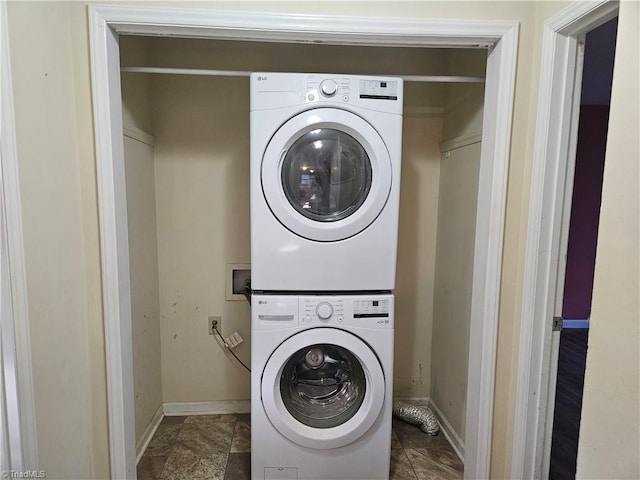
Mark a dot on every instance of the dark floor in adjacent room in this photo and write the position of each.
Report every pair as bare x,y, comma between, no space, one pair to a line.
568,407
218,447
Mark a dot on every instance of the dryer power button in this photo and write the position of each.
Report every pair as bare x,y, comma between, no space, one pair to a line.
324,310
328,88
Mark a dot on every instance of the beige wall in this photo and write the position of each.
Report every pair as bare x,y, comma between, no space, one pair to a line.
143,250
143,264
416,245
136,89
457,204
66,337
202,180
453,281
610,429
49,49
516,216
464,102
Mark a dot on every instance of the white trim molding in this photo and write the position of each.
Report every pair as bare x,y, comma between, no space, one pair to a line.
501,37
456,441
215,407
149,432
116,294
296,28
16,347
550,177
488,249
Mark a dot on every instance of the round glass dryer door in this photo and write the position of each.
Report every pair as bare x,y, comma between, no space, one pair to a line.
326,174
323,388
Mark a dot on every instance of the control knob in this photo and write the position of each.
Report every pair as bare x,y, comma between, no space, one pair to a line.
328,88
324,310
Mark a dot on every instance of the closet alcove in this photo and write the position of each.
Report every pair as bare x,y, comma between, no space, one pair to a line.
187,178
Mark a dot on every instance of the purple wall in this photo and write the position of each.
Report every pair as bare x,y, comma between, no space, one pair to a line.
585,211
599,53
597,77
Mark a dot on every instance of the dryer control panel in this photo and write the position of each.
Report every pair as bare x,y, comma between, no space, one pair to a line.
277,90
376,92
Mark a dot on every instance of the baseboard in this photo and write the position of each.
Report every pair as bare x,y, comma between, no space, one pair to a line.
149,432
207,408
422,401
457,443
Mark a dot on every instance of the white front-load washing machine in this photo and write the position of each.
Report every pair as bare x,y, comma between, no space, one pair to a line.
321,386
325,181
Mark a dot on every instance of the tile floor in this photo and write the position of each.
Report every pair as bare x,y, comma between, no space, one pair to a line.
218,447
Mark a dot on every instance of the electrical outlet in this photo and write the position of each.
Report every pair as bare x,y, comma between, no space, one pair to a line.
214,321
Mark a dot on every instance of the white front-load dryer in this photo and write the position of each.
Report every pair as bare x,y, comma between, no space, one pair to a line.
325,181
321,386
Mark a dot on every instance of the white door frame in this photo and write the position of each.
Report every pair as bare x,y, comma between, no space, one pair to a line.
551,187
107,22
18,408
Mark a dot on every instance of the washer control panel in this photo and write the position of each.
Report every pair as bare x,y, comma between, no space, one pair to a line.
269,312
362,310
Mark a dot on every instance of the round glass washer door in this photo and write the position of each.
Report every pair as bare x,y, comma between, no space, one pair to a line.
323,388
326,174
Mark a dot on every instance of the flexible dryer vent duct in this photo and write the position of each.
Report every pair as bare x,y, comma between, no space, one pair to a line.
417,415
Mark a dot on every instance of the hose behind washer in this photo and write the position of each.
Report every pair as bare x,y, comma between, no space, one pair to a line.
417,415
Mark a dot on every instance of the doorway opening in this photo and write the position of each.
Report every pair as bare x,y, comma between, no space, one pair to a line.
597,77
188,217
500,38
548,226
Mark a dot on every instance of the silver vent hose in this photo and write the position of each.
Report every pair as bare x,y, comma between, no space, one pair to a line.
417,415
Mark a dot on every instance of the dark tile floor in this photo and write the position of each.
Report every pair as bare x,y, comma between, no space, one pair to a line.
218,447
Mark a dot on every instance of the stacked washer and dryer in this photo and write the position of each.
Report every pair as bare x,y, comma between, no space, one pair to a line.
325,185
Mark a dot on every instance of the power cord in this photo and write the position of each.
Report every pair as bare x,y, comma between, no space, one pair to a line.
247,292
215,329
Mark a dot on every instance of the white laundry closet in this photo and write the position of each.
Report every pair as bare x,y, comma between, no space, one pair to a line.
187,176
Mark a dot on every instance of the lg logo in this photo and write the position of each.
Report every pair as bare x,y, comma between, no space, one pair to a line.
262,302
261,78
